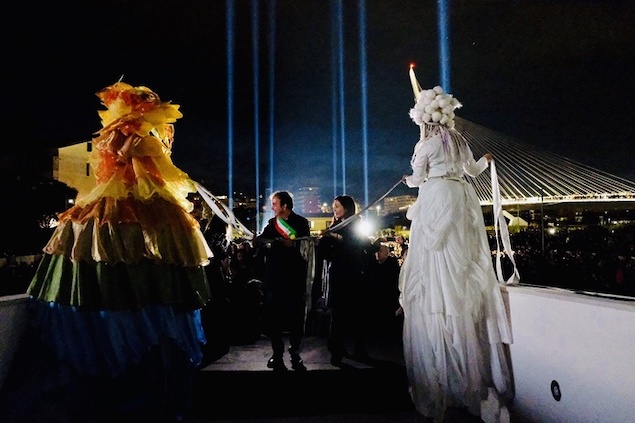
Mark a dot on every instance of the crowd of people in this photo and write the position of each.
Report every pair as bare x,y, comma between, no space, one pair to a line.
571,259
589,259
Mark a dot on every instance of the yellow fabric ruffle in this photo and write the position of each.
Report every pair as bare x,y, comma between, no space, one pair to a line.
147,171
128,230
137,109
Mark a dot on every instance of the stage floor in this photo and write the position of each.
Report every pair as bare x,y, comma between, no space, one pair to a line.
245,390
253,357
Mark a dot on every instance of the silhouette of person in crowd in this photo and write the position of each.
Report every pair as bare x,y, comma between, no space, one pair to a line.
384,276
244,296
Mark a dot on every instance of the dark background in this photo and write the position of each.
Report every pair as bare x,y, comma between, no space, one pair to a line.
554,74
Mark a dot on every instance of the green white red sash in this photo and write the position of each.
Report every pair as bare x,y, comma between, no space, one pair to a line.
285,229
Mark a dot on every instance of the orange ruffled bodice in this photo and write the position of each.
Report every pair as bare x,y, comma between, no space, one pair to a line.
139,208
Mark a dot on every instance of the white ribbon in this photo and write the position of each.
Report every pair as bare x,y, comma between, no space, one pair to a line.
225,214
349,220
500,224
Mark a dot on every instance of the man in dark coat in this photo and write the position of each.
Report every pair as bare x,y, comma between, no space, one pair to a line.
284,286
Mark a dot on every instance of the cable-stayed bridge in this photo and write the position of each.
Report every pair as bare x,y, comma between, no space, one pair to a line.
530,175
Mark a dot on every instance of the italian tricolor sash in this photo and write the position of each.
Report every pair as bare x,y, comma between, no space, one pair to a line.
285,229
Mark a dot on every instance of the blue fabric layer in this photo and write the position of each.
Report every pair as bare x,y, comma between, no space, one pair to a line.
97,342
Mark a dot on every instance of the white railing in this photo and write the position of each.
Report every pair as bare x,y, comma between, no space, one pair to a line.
13,321
582,344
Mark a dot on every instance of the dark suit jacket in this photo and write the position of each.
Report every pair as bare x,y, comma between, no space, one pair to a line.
286,268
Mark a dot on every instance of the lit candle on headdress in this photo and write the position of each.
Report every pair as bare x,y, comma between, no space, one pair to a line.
416,88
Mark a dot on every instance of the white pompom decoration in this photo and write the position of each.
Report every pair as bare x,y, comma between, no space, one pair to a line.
415,116
435,106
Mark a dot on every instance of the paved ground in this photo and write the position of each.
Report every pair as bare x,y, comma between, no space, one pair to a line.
370,392
253,357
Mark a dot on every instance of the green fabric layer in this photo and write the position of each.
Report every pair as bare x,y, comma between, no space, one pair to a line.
122,286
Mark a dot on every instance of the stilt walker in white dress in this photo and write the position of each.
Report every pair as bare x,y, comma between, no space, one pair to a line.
455,324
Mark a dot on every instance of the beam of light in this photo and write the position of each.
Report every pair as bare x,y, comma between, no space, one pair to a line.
334,100
340,63
272,62
230,101
256,69
444,44
364,91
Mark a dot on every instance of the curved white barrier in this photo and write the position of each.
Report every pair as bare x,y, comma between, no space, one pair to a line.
13,321
572,356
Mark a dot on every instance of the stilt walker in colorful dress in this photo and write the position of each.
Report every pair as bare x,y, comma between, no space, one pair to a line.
119,290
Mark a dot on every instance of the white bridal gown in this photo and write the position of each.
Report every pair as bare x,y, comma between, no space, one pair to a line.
455,322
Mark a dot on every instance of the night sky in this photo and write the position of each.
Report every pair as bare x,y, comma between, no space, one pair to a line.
554,74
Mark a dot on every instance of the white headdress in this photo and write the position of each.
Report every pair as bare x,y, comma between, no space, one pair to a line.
434,113
433,106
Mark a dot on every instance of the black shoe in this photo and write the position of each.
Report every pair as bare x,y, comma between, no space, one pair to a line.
297,363
276,363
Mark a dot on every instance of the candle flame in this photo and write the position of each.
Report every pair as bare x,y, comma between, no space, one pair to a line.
416,88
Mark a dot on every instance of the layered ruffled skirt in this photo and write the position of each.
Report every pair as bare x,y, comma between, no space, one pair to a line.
455,324
118,277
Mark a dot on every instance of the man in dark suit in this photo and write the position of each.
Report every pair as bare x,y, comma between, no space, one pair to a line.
284,286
